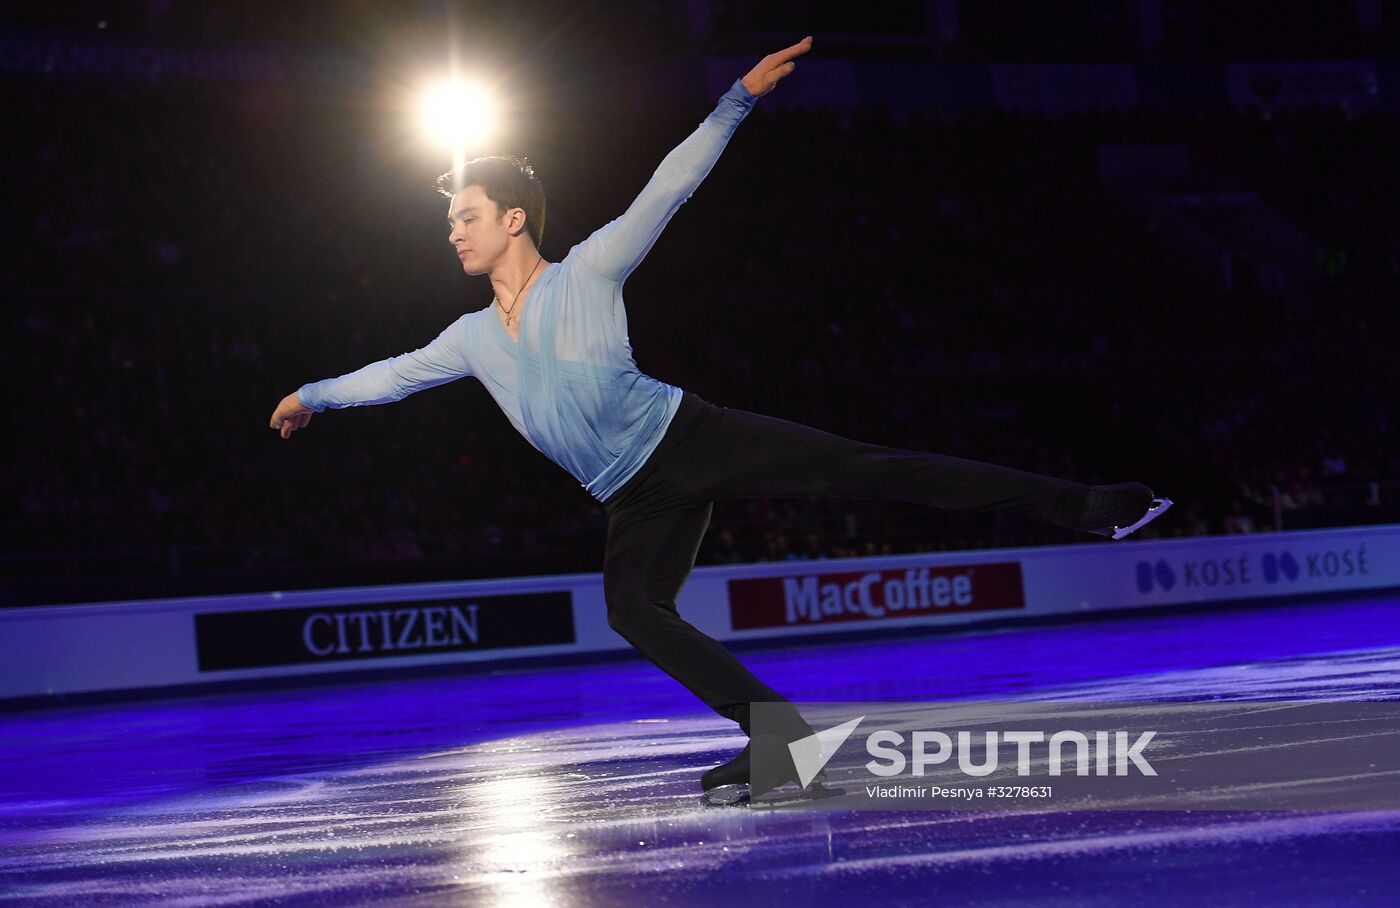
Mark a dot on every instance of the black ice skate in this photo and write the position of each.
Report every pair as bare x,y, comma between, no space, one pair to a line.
732,784
1118,510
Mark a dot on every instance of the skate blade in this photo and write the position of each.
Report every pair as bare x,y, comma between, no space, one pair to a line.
1158,508
794,796
726,796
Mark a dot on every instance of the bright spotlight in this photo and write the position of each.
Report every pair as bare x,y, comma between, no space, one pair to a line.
458,116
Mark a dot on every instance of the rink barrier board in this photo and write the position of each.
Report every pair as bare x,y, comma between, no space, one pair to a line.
77,653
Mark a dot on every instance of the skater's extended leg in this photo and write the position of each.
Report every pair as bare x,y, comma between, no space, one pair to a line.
738,454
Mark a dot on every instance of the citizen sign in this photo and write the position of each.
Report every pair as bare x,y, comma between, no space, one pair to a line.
386,630
874,595
383,630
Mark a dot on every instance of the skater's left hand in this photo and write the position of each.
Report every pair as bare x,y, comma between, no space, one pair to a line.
770,69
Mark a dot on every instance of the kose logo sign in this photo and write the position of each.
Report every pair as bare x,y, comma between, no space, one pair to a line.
874,595
1243,570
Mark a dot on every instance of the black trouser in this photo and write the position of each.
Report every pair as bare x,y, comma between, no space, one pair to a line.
658,517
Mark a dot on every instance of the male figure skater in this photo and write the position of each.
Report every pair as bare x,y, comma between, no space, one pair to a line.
553,351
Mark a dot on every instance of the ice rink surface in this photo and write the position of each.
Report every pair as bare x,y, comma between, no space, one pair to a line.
579,786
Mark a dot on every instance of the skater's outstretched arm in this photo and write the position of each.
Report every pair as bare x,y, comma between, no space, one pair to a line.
616,249
378,383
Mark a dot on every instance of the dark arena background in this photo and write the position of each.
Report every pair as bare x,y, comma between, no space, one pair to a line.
1104,240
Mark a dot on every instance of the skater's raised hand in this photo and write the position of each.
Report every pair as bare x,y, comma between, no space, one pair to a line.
290,415
770,69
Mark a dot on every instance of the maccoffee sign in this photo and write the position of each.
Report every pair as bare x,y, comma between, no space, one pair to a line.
264,637
874,595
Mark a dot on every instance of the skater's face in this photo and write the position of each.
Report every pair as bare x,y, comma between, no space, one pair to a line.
481,233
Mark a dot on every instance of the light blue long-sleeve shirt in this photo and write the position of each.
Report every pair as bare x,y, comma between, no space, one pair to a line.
570,385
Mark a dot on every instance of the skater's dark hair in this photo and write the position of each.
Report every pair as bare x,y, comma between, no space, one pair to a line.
508,181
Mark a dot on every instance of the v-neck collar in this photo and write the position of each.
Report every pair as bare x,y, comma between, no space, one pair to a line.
511,342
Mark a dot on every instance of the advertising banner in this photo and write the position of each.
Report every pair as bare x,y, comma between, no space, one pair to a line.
864,596
253,639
